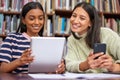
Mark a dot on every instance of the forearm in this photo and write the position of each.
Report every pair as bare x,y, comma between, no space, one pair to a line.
8,67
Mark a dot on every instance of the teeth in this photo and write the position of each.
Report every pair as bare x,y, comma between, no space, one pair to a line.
75,26
36,27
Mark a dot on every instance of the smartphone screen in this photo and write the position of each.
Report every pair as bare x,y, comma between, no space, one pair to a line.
100,47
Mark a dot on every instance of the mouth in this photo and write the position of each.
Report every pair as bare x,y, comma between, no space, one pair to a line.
75,26
35,27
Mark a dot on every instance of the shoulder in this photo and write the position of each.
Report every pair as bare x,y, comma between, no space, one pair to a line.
15,36
105,29
108,32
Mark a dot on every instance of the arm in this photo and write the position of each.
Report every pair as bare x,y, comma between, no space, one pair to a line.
72,58
108,63
24,59
114,51
91,62
8,67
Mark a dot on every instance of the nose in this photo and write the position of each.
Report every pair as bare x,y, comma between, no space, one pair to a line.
36,21
77,20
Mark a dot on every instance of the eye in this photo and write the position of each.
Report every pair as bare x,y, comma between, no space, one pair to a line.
41,18
31,18
73,15
82,18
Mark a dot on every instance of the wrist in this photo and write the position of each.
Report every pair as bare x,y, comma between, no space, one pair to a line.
115,68
84,66
18,62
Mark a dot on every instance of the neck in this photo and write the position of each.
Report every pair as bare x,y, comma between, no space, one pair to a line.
32,35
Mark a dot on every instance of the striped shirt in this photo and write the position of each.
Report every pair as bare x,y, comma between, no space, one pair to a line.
12,49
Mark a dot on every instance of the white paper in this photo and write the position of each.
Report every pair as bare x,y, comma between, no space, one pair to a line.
47,76
91,75
75,76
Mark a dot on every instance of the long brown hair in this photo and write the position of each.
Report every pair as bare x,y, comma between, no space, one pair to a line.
93,34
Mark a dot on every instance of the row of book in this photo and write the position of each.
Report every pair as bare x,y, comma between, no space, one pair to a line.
60,25
50,5
16,5
101,5
8,23
112,23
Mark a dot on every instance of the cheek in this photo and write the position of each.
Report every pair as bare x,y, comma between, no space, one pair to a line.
28,23
71,20
42,23
85,23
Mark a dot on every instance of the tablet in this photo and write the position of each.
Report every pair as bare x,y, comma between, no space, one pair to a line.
47,52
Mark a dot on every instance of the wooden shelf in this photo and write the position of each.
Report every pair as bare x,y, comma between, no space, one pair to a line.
63,13
110,15
10,12
51,13
61,35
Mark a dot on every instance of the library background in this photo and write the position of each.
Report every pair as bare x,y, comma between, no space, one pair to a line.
57,17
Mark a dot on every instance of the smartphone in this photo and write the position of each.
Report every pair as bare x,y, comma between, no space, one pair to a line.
100,47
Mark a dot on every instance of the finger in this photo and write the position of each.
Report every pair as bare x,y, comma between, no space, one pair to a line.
91,53
93,66
24,52
98,55
31,58
62,60
107,64
27,52
94,63
25,60
105,57
61,68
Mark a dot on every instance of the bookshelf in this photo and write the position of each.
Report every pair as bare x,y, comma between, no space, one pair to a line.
9,22
108,10
58,13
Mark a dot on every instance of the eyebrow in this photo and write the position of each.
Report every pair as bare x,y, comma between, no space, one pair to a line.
79,15
33,15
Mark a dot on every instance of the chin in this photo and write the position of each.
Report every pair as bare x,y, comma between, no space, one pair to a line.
36,31
75,31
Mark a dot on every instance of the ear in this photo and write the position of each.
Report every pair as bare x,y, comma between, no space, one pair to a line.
23,20
90,24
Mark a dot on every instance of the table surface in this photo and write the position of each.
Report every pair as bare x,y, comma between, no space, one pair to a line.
8,76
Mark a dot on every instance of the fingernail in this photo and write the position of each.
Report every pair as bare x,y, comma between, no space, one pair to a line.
59,66
102,52
56,71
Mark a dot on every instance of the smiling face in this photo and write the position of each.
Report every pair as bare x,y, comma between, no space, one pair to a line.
34,21
80,21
